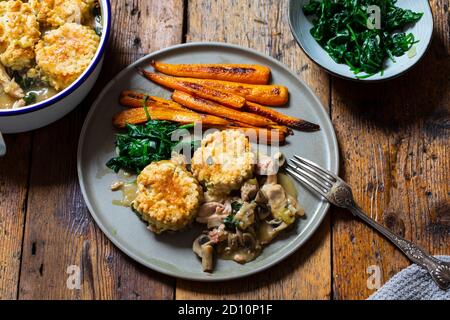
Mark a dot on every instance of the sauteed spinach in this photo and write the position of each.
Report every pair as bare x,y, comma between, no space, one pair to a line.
143,144
341,28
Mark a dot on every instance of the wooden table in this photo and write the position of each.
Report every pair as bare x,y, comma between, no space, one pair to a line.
394,143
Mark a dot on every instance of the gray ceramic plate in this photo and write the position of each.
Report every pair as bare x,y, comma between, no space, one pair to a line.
422,30
171,253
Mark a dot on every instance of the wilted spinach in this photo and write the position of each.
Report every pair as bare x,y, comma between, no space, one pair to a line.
143,144
340,27
30,98
229,220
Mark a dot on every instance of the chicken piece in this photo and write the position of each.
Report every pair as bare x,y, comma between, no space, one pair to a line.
19,104
9,85
279,203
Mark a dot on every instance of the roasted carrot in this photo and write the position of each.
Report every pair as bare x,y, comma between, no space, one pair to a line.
245,73
133,99
287,131
206,106
138,115
262,135
202,91
271,95
280,118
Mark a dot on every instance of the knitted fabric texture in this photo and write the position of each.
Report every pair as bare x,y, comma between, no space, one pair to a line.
412,283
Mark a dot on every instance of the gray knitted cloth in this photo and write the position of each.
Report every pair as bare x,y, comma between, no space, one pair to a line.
412,283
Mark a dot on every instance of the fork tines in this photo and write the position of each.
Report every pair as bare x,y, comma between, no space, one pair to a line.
313,176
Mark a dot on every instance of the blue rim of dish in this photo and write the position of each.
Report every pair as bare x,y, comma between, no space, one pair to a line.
78,82
366,80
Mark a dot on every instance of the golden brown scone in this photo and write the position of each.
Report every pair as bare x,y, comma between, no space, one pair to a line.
64,53
19,32
54,13
223,162
168,196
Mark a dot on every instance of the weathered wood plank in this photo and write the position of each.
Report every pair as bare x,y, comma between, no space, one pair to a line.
262,25
394,140
14,169
59,231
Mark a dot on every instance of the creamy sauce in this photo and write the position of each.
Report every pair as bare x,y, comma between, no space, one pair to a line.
41,93
241,255
265,233
288,184
129,194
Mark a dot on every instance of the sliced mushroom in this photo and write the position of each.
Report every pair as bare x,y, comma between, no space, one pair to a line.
263,212
198,243
261,199
207,257
248,241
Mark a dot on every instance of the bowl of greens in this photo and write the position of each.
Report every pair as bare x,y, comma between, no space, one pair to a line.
366,40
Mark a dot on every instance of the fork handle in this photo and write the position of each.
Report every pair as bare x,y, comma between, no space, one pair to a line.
439,270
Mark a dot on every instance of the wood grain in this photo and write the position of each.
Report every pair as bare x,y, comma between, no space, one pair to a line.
14,169
262,25
59,231
393,137
394,140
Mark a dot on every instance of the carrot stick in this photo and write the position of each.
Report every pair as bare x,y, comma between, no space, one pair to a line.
271,95
280,118
206,106
202,91
133,99
245,73
262,135
138,116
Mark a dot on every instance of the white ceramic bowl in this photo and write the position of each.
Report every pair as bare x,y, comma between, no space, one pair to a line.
422,30
43,113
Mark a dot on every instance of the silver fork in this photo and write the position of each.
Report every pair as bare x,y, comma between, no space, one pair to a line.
339,193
